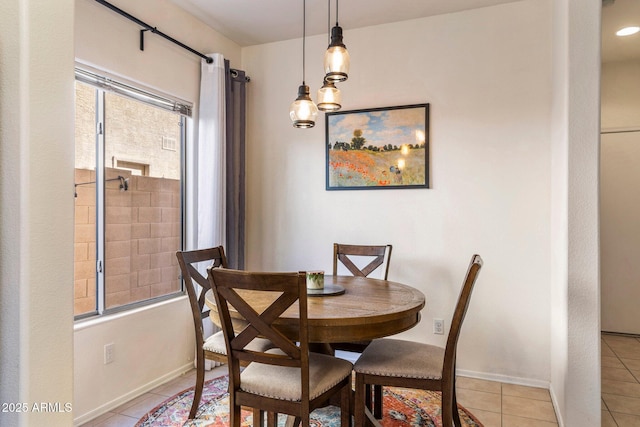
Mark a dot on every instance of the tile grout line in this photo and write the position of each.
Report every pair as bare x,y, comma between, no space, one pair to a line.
501,397
628,370
501,394
613,418
604,402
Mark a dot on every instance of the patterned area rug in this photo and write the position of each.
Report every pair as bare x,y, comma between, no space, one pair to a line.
402,408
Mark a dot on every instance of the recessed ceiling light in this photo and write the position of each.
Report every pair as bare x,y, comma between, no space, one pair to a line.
627,31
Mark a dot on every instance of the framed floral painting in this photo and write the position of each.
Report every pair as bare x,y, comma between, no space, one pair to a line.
378,148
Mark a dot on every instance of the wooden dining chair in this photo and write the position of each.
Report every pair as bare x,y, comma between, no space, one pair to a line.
212,348
398,363
287,379
374,257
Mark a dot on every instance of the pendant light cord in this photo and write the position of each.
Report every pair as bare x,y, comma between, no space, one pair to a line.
329,20
304,32
336,13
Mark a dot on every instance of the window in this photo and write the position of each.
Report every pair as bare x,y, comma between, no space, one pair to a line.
129,186
139,169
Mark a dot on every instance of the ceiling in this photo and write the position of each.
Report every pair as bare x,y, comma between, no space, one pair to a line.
616,15
251,22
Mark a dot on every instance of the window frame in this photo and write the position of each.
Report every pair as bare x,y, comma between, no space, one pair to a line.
183,110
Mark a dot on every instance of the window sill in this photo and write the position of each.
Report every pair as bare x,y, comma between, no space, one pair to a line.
105,318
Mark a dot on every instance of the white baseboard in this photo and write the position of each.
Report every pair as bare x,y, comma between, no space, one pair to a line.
131,395
504,379
554,401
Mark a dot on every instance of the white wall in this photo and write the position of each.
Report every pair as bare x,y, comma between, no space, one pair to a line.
575,294
486,74
36,173
620,197
156,343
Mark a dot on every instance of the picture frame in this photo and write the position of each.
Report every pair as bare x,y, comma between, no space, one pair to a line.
378,148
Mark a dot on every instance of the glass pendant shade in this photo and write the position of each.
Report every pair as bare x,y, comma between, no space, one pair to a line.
336,58
303,111
329,97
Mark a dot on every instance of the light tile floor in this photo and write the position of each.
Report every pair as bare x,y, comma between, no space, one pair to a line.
494,404
498,404
620,381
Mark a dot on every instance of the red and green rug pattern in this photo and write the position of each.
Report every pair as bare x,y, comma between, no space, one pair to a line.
402,408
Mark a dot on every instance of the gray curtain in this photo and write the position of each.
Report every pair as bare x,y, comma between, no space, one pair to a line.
235,89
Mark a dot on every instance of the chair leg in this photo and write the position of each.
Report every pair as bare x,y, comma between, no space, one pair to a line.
367,396
272,419
456,414
234,413
454,401
345,405
258,417
359,404
377,401
447,408
197,393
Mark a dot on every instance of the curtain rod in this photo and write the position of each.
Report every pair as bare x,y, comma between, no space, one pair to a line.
154,30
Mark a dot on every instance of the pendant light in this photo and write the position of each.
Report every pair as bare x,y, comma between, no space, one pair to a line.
329,96
336,58
303,111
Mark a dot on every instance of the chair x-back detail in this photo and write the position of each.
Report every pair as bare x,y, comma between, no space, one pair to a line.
399,363
286,379
213,348
380,255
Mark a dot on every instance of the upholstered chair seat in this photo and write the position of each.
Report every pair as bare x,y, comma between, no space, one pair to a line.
324,373
399,358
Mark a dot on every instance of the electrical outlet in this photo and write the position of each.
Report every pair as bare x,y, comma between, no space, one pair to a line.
109,353
438,326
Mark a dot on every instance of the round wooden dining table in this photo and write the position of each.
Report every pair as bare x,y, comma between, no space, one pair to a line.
368,308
